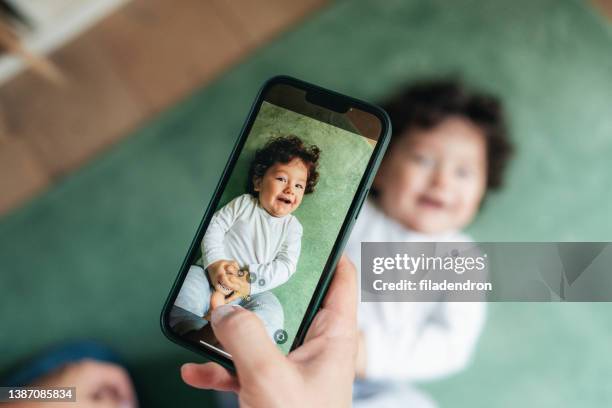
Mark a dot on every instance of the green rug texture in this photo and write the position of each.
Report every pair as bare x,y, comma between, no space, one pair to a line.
95,256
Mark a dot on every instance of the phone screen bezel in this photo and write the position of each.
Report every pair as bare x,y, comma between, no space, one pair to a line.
322,94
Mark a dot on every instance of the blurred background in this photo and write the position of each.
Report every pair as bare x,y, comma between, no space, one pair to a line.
116,118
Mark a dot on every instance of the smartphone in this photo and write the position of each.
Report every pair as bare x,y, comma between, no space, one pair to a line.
275,228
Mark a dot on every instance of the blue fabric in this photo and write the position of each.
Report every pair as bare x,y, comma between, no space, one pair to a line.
56,357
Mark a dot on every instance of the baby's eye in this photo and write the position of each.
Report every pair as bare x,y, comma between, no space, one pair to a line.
301,187
281,179
422,159
463,172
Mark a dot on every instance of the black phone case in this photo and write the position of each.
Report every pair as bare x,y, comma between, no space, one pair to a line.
327,273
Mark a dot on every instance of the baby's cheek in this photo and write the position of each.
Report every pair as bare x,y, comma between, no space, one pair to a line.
465,213
297,203
473,199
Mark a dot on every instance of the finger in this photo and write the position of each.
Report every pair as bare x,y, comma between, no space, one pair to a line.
229,282
338,316
209,376
341,297
243,335
107,374
233,279
232,297
223,279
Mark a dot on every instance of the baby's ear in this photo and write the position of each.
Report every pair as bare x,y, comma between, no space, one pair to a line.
256,183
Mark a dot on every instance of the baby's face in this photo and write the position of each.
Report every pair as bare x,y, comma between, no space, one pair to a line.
433,181
282,187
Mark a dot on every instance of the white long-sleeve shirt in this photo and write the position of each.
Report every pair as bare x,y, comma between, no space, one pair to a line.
244,232
419,340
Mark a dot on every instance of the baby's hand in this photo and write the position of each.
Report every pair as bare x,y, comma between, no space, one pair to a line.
240,283
217,270
224,289
232,268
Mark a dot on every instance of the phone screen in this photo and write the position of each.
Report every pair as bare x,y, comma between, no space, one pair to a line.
283,204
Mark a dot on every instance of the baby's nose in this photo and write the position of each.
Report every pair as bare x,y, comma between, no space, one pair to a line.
441,178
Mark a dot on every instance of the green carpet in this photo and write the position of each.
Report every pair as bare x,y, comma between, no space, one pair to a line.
96,255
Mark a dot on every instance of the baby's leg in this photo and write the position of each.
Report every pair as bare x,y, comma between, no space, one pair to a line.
195,293
269,309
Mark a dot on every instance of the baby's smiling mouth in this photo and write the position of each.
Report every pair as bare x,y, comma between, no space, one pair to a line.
431,202
284,200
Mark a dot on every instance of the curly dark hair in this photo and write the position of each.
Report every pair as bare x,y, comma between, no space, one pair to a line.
425,104
283,150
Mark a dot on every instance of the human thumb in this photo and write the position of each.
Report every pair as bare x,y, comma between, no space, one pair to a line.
244,336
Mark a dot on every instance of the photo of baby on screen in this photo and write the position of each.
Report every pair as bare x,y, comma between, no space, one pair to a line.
252,244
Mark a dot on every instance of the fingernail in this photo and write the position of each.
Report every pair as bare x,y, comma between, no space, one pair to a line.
221,312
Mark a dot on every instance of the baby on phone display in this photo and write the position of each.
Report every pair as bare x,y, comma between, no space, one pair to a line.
253,243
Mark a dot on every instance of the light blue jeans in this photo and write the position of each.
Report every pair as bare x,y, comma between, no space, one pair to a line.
193,302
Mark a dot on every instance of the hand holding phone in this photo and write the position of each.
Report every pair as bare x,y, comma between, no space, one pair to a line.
316,374
280,216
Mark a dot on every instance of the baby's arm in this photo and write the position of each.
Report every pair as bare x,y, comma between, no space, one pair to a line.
269,275
212,243
216,299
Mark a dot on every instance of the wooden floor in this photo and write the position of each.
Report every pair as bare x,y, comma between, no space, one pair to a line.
133,64
136,62
604,7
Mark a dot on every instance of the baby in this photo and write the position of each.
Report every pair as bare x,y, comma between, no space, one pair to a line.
252,244
449,147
